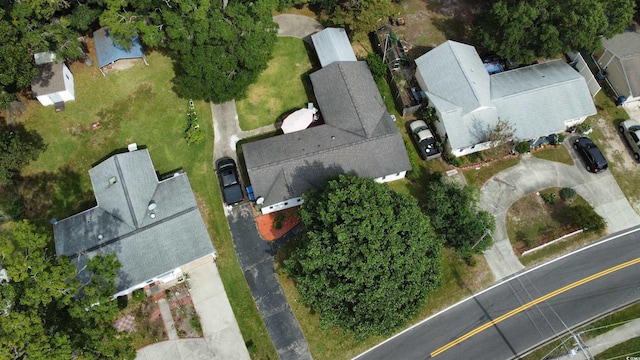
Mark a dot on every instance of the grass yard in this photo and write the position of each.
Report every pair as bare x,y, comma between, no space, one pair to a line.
477,176
458,282
285,86
136,105
558,153
531,222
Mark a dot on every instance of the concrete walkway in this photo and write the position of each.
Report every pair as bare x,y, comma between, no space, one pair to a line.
605,341
165,312
533,174
222,339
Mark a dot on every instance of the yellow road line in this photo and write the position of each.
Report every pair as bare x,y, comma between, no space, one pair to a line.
532,303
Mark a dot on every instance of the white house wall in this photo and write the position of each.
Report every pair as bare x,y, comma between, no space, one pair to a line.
69,94
391,177
293,202
44,100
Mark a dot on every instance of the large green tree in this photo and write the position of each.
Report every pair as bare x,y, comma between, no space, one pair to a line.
454,214
218,51
17,148
45,313
368,259
525,30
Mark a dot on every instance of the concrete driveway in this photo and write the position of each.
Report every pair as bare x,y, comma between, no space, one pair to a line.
533,174
222,338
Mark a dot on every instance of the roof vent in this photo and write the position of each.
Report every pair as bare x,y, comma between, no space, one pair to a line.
113,180
152,215
132,147
152,205
100,236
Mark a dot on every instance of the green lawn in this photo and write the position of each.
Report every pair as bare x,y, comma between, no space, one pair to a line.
136,105
479,175
283,87
555,153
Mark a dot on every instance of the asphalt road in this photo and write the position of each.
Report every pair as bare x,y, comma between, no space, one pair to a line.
528,309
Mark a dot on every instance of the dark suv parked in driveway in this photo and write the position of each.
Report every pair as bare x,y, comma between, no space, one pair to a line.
229,181
593,158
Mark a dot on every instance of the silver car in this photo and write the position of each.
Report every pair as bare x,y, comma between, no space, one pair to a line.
630,129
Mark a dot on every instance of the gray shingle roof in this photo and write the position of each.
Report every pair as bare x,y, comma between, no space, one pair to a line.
358,137
626,47
121,223
456,74
536,100
332,45
48,80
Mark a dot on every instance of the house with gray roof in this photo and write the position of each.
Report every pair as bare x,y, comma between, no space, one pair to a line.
53,83
332,45
536,100
358,137
621,60
153,225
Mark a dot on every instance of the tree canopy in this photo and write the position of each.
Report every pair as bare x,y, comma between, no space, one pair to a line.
45,313
218,50
17,148
454,214
369,256
525,30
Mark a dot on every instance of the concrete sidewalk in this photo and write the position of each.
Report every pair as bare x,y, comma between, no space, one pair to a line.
605,341
533,174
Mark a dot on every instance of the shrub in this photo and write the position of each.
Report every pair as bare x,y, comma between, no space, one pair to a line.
194,135
549,198
277,225
567,193
376,65
523,147
195,324
585,217
138,295
561,138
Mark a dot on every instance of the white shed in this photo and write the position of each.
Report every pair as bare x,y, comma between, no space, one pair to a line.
53,85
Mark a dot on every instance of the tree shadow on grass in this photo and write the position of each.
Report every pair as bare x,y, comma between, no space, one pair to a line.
57,194
453,29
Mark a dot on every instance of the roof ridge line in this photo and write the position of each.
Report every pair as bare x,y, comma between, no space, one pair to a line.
363,140
126,192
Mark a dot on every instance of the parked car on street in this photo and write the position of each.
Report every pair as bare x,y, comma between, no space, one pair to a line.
630,129
229,181
427,143
591,154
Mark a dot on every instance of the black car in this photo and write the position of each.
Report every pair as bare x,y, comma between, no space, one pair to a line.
593,158
229,181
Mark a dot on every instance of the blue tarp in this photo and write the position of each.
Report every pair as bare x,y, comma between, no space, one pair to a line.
494,68
109,52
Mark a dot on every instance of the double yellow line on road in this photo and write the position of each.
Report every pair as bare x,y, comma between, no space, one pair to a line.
531,304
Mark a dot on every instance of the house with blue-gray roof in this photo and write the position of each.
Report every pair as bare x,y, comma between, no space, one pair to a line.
113,56
153,225
536,100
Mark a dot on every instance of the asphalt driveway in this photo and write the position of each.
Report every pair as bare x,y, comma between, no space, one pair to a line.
257,263
533,174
